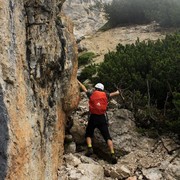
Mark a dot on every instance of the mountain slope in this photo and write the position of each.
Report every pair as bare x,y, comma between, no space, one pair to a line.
102,42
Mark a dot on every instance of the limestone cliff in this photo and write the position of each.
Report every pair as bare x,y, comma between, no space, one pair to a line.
87,15
38,66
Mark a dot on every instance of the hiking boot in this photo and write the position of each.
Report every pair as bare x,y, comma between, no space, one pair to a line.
113,159
89,152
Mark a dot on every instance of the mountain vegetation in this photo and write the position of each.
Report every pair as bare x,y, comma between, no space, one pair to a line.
85,58
148,74
164,12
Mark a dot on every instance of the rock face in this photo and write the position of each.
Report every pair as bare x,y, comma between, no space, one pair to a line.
38,89
89,17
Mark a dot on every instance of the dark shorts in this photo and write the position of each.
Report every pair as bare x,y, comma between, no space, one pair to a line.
98,121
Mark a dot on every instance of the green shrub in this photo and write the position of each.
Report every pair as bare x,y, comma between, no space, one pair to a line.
174,123
126,12
151,133
151,71
164,12
167,13
132,65
88,72
85,58
176,101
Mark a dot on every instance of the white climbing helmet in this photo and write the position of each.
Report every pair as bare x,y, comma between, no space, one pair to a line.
99,86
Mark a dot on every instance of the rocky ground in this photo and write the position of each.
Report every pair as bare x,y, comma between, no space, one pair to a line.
139,157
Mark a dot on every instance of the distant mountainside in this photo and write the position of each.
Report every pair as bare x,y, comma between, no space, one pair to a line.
86,15
103,42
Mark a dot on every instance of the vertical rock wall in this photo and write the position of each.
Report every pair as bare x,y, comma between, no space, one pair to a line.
88,19
38,66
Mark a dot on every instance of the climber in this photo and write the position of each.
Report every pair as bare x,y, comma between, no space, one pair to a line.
98,101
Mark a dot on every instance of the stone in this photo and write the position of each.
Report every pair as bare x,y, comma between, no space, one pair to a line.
132,178
123,171
78,131
38,70
152,174
68,138
70,147
72,160
172,169
92,171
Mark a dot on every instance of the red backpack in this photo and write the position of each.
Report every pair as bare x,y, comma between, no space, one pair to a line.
98,102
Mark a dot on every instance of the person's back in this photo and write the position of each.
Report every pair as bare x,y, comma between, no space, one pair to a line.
98,102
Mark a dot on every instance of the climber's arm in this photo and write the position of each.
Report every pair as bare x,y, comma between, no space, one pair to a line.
82,86
114,93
